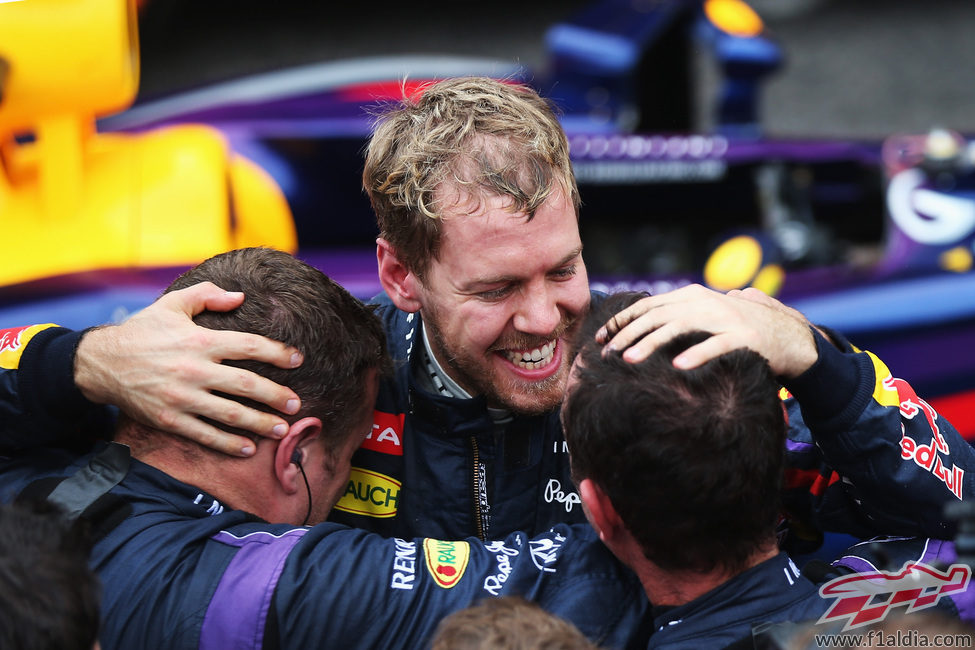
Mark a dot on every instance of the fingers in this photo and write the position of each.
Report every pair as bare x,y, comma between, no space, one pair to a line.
244,383
621,320
220,345
208,435
163,370
648,343
204,296
710,348
648,323
740,319
755,295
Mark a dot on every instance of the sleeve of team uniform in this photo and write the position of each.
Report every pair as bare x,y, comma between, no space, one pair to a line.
889,463
39,403
349,588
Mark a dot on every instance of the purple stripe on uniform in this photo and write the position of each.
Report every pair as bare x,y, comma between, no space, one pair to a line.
796,446
856,564
238,610
941,553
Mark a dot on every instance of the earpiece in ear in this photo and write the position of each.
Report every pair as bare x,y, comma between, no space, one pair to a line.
296,457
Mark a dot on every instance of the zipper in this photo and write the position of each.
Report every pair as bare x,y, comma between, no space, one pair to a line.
476,493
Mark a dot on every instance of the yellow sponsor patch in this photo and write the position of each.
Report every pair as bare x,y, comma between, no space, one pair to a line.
446,561
370,494
884,391
13,341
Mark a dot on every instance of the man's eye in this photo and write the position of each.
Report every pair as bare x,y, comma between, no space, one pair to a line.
494,294
565,272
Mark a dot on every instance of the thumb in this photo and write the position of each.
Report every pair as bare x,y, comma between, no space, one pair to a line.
204,296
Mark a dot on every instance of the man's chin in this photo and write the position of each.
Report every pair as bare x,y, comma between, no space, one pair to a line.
531,399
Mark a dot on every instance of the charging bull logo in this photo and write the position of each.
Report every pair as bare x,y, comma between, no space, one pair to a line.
930,453
446,561
864,598
13,341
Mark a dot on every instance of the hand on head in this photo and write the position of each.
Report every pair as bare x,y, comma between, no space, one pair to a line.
162,369
739,319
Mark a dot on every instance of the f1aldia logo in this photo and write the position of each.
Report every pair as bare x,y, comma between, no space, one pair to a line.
446,561
864,598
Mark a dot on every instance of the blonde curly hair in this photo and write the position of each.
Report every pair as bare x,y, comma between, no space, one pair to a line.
473,134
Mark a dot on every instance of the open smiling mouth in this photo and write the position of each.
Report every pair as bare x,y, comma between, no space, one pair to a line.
533,359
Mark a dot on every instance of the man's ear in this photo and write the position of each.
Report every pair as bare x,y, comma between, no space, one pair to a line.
602,514
292,447
399,283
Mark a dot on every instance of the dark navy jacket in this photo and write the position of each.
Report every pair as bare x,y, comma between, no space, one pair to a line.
449,473
865,454
180,570
433,465
744,611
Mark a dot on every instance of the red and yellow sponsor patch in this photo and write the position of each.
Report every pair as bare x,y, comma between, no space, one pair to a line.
446,561
14,340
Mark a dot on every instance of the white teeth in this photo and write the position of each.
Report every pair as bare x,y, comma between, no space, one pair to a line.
537,358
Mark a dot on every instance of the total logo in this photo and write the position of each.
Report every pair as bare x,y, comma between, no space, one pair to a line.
370,494
386,436
446,561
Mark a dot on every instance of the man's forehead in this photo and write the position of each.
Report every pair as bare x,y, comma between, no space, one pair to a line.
458,199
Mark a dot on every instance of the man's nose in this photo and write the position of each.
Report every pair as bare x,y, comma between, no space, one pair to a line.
538,312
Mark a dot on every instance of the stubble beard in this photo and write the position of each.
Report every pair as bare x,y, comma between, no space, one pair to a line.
481,376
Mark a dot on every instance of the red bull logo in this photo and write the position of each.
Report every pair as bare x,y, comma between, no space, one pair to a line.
446,561
925,456
13,341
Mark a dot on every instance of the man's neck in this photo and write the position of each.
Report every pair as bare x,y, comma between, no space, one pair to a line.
193,468
673,588
435,376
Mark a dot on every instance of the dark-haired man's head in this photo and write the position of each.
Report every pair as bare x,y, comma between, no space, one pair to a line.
691,461
344,349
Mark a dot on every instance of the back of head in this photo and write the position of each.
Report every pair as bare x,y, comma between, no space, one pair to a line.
692,460
508,623
475,134
292,302
49,597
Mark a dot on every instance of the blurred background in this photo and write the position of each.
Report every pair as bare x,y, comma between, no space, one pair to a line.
853,68
826,157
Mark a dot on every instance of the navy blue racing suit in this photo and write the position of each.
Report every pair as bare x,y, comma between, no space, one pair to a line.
756,607
436,465
181,570
865,455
